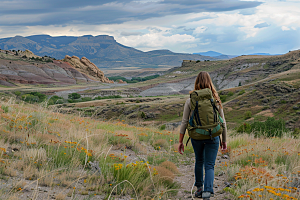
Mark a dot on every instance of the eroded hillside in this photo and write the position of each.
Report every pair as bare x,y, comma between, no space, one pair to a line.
265,86
23,67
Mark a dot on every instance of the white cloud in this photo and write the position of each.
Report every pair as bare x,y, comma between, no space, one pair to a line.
154,40
284,28
231,32
199,30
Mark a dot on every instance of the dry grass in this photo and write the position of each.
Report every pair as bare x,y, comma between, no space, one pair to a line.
19,165
13,198
265,163
160,143
30,173
140,148
127,134
55,149
84,192
20,185
164,174
170,166
67,179
46,138
46,181
33,154
9,171
61,196
266,113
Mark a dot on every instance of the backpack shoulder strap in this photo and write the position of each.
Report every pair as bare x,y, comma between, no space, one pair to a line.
187,141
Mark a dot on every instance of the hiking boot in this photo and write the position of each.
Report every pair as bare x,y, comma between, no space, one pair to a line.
198,193
206,195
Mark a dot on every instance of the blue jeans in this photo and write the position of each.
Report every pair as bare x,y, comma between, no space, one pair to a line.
205,155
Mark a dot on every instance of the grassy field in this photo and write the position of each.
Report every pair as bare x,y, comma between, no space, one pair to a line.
55,150
58,152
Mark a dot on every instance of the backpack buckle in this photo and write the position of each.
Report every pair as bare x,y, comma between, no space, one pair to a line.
210,134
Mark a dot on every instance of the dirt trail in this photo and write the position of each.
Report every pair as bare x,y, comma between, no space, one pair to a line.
187,179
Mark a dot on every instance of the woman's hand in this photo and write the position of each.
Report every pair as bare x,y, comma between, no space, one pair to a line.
181,148
223,146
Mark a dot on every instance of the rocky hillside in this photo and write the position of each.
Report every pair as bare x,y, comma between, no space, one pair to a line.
239,71
251,88
26,68
102,50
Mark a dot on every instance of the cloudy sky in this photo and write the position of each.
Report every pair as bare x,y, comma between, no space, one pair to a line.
227,26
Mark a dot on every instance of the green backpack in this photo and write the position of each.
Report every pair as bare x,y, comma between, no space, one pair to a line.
205,121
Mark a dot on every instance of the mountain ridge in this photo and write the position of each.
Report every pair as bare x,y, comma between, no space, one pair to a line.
224,56
103,50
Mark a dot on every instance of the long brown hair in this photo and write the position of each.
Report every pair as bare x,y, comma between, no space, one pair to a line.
203,81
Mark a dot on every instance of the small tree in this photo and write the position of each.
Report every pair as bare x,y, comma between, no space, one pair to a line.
247,115
143,115
74,96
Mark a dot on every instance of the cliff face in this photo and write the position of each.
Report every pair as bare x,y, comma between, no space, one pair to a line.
87,67
23,67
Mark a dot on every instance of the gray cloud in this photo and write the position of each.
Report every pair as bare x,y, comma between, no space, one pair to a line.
261,25
154,29
124,33
248,11
57,12
180,27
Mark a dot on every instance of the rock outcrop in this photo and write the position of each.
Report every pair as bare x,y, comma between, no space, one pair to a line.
121,81
28,54
87,67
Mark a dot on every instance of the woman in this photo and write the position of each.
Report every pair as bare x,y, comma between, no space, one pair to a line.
205,150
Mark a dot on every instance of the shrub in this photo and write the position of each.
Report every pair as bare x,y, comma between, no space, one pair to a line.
74,96
33,97
247,115
266,108
296,132
163,127
143,115
170,166
165,175
241,92
270,128
108,97
244,128
230,93
18,93
86,99
5,108
223,98
55,100
30,98
283,102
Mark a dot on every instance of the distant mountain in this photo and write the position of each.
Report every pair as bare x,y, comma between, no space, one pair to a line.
103,50
260,54
221,56
264,54
216,55
210,53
